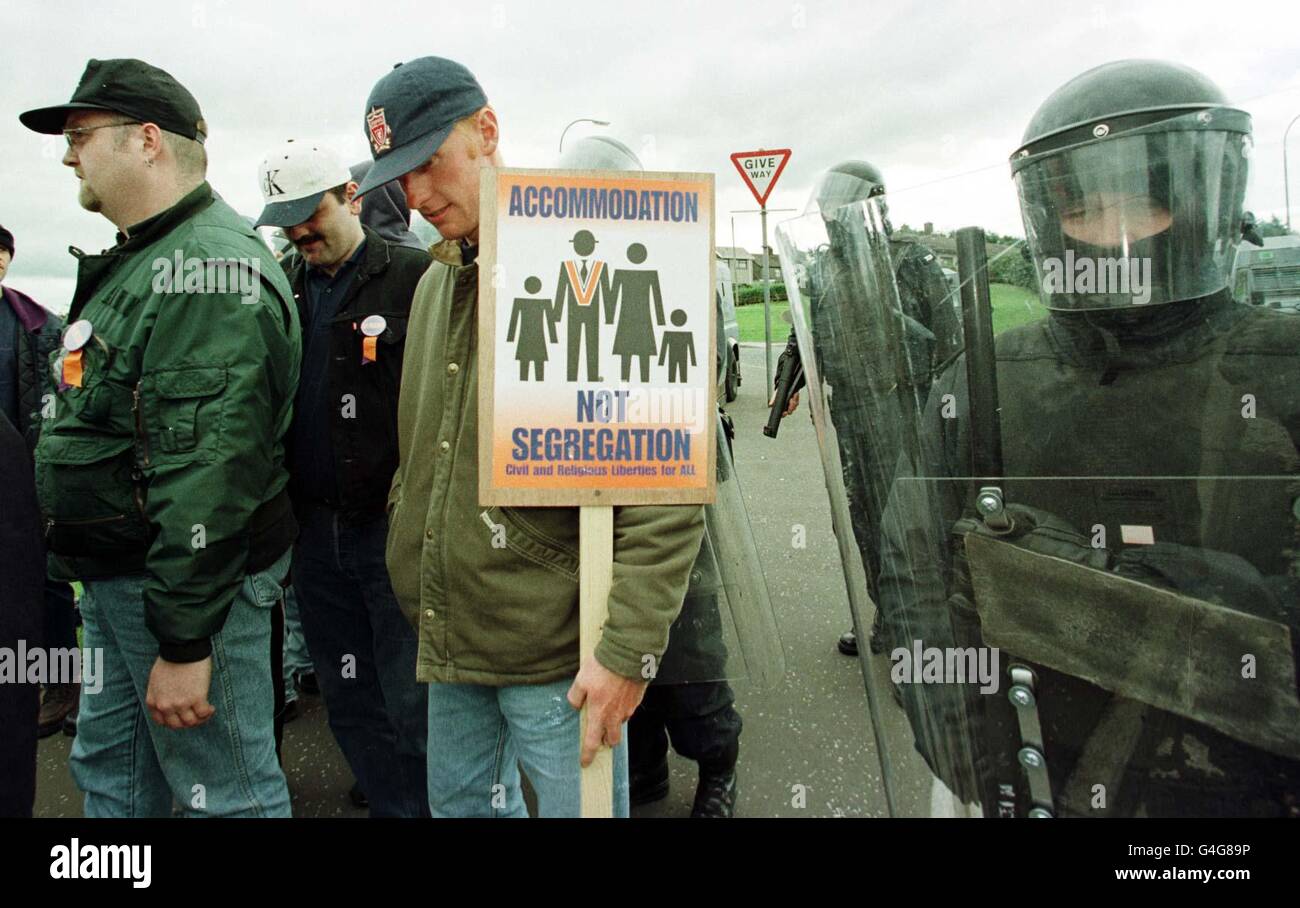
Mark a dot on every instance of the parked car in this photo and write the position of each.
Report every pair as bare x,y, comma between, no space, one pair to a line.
1269,276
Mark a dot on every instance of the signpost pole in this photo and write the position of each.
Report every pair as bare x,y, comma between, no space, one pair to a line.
760,170
595,575
767,302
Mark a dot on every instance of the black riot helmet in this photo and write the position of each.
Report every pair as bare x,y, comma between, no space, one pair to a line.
848,183
1131,180
845,183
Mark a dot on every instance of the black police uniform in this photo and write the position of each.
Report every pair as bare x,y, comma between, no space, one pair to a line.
1116,416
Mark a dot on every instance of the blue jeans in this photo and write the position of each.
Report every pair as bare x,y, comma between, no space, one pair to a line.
480,736
296,657
364,652
129,766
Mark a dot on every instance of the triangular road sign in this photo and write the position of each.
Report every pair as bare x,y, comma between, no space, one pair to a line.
760,170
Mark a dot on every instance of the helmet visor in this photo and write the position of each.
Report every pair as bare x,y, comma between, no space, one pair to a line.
836,189
1142,219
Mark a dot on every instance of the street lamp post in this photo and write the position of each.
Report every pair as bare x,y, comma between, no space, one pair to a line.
581,120
1286,180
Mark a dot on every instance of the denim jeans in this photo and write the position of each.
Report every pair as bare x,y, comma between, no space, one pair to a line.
296,657
480,736
364,653
129,766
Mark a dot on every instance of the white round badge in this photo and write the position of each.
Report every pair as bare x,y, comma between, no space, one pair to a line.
77,335
373,325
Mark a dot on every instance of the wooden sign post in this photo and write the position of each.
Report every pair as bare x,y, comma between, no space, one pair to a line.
596,361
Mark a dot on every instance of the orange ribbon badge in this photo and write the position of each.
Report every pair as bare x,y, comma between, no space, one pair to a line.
72,369
371,327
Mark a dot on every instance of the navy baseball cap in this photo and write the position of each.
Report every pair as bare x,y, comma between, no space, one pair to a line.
411,111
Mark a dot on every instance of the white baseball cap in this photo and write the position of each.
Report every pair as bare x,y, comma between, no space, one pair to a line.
294,177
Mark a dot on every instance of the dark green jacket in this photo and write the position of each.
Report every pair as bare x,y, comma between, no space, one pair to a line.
169,458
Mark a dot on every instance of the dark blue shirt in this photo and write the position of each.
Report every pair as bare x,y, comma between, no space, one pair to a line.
313,469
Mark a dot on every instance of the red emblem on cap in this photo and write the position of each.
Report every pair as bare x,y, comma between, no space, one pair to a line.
381,137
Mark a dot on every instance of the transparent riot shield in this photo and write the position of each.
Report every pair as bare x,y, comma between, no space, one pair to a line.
1080,546
868,368
727,628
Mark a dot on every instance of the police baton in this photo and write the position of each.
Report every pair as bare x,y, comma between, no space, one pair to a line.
981,362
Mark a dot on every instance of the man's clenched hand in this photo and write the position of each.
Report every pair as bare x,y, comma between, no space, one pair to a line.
178,693
791,405
611,699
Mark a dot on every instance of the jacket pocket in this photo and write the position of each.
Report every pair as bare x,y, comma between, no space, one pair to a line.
266,589
388,342
186,402
91,505
91,401
544,536
394,330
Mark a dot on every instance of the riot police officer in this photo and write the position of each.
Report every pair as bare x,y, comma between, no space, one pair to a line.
931,330
1138,550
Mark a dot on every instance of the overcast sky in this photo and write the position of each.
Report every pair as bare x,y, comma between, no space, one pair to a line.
937,94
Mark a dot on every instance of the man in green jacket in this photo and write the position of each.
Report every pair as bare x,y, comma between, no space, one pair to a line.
161,474
493,592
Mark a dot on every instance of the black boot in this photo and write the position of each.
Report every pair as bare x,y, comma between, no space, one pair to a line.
848,643
649,785
715,795
878,636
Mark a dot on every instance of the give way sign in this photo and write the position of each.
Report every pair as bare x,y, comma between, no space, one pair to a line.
760,170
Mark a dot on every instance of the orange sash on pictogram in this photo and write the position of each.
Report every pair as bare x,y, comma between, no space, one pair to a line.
584,293
72,369
369,349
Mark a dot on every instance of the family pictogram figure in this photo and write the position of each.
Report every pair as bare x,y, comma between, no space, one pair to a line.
632,291
677,346
630,298
531,320
581,284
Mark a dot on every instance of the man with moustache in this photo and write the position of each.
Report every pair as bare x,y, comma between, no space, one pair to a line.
498,626
353,290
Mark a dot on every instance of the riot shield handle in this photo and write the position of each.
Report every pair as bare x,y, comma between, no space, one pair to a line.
981,362
1031,756
991,507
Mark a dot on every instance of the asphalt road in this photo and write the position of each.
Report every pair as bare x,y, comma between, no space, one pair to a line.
807,748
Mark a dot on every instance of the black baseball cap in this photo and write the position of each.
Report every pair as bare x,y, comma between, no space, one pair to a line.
7,241
130,87
411,111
